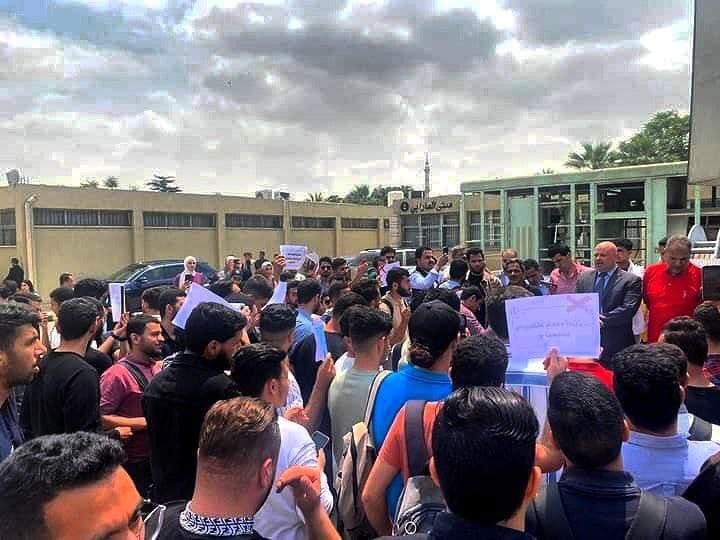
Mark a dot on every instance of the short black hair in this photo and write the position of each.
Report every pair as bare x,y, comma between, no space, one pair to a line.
12,317
61,294
531,263
367,288
709,316
240,298
558,249
11,285
647,384
254,365
689,335
39,470
480,360
586,420
446,296
211,322
663,241
64,277
387,249
345,302
419,251
15,260
19,299
337,262
76,316
136,325
473,251
458,269
366,324
495,308
258,287
624,243
151,297
396,275
469,292
432,328
519,262
336,290
168,297
325,259
292,284
223,288
91,287
307,290
484,436
277,318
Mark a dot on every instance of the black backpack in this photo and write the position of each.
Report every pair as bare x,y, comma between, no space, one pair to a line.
551,522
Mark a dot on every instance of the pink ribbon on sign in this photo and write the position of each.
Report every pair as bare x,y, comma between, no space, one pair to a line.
580,303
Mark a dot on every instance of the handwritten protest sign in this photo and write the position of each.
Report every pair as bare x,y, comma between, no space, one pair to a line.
315,259
196,295
570,322
117,300
294,256
321,348
279,294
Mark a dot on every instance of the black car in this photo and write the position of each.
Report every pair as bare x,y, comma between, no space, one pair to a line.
138,277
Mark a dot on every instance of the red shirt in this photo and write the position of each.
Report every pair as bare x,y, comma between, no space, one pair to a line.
667,296
593,369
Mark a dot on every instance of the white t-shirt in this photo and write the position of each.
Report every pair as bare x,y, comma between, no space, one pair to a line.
344,363
294,398
279,518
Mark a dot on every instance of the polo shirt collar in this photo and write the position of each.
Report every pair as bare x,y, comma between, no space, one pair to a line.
423,374
679,440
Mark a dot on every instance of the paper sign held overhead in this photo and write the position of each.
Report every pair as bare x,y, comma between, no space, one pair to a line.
294,256
117,300
569,322
279,294
384,272
197,295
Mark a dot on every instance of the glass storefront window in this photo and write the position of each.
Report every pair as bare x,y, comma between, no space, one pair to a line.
493,226
632,229
554,214
583,253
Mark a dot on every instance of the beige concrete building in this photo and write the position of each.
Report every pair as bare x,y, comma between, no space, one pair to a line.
93,232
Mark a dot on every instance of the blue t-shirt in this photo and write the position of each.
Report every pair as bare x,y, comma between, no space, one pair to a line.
303,326
410,383
10,434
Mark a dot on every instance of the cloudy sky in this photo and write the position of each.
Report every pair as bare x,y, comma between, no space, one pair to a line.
318,95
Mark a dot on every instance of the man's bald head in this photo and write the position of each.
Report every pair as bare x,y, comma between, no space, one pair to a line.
605,257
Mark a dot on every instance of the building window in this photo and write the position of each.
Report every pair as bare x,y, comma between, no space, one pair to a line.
421,231
450,230
386,223
359,223
58,217
171,220
251,221
302,222
493,229
621,197
7,227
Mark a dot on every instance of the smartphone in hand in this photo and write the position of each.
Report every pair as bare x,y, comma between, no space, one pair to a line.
320,439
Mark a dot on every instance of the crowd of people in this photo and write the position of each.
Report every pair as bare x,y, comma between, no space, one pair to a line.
364,404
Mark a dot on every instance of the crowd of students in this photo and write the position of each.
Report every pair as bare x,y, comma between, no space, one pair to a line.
364,404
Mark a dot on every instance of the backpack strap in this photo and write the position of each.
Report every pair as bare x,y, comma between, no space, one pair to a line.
417,454
372,395
138,375
650,518
388,303
550,516
396,355
700,430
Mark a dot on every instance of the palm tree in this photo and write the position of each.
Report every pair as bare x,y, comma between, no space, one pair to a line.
111,182
315,197
334,198
593,156
164,184
360,194
90,183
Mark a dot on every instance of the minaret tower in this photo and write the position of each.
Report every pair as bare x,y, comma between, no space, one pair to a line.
427,176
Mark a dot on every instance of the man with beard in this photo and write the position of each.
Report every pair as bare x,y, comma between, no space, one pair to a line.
325,274
480,276
121,390
308,297
177,399
20,352
395,303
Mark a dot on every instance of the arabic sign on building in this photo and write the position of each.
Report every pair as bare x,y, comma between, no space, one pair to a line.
415,206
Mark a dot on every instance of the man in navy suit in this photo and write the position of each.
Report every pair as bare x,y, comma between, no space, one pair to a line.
620,295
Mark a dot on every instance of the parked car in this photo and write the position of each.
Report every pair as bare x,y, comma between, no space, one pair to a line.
138,277
406,258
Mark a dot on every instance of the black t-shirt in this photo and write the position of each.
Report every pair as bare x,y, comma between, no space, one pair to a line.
63,398
704,403
175,403
705,492
98,360
171,529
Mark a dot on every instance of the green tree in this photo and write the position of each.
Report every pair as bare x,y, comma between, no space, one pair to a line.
593,156
164,184
334,198
360,194
315,197
111,182
90,183
665,138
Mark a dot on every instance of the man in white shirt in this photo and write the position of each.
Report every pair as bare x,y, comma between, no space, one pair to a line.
427,271
261,371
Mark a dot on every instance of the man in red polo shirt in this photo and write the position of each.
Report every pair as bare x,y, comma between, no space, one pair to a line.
672,287
121,390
